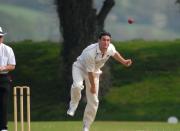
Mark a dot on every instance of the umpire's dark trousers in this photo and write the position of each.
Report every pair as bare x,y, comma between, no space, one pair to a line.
4,93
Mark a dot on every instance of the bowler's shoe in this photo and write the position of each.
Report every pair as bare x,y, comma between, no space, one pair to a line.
71,111
85,129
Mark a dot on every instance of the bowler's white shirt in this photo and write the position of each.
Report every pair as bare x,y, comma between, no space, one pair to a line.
91,59
6,56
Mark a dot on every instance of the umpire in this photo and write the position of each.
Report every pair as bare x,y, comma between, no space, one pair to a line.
7,63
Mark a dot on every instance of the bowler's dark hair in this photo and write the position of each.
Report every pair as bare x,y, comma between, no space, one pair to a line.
104,33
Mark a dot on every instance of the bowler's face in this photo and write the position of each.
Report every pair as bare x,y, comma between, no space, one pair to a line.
104,42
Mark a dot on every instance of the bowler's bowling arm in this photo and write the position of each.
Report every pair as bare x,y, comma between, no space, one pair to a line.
118,57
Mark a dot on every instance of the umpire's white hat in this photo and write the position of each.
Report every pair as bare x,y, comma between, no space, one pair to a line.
1,32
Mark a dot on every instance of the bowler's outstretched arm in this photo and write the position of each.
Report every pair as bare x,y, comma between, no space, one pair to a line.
126,62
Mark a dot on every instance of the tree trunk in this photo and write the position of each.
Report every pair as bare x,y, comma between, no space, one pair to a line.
79,25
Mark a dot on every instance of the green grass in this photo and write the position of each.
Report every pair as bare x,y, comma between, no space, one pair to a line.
103,126
31,24
150,86
148,91
18,11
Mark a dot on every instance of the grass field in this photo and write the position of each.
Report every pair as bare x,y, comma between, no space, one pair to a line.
148,91
102,126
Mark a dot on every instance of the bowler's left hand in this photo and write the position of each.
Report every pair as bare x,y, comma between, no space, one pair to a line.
128,62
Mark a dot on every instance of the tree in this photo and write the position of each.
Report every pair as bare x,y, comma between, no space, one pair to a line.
79,25
178,2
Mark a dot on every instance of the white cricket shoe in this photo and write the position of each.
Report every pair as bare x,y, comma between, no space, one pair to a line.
85,129
4,130
71,111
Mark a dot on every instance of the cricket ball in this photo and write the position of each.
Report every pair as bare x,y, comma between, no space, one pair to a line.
130,20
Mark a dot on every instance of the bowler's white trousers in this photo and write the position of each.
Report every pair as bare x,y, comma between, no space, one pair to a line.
79,75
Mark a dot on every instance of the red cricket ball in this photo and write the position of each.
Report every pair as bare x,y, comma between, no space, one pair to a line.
130,20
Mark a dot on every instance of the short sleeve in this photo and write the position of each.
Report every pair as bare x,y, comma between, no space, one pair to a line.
11,59
112,50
